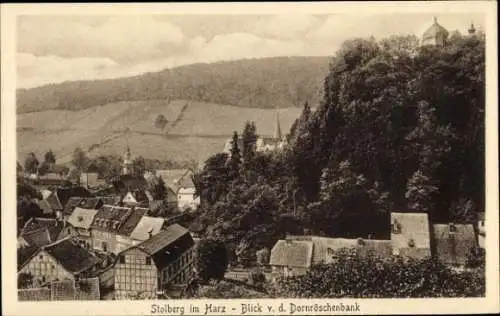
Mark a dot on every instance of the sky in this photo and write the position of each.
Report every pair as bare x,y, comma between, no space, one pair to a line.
52,49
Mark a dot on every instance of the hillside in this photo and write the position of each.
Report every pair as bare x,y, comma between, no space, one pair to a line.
253,83
195,129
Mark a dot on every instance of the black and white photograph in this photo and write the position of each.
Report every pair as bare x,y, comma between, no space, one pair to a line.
164,156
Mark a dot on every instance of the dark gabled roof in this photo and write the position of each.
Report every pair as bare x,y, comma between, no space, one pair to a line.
167,245
82,202
64,194
24,254
37,294
163,239
35,223
129,225
111,218
71,256
54,202
44,206
37,238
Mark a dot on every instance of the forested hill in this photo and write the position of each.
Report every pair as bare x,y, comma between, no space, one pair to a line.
258,83
400,129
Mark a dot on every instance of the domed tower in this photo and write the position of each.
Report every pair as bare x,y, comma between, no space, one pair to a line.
435,35
472,29
127,162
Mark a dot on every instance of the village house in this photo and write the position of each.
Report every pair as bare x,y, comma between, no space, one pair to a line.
81,219
63,290
91,180
410,235
180,182
63,259
91,203
112,226
453,242
35,226
147,270
295,254
324,248
35,238
291,257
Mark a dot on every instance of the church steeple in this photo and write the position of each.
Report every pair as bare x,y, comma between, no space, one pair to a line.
127,162
277,132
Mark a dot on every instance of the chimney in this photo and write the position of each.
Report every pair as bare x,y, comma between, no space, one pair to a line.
150,233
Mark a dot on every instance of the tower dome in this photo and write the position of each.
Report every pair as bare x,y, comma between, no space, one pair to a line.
435,35
472,29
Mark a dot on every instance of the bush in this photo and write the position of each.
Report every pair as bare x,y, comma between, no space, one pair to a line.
257,279
352,275
476,258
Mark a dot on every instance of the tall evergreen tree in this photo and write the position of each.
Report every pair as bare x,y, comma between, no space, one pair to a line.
234,162
50,158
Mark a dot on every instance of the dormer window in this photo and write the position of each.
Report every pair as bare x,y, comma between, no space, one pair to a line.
411,243
80,218
396,227
453,228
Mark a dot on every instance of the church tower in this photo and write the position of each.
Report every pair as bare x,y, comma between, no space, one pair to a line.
435,35
127,162
472,29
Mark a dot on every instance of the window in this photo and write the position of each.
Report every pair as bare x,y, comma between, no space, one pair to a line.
104,246
396,227
122,259
41,257
148,261
453,228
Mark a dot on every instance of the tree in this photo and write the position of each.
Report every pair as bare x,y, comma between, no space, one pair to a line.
50,158
24,280
249,138
160,189
212,181
420,191
349,205
31,163
234,162
212,260
263,256
160,122
80,160
365,276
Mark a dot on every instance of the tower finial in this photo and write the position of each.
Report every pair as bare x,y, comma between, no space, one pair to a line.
472,29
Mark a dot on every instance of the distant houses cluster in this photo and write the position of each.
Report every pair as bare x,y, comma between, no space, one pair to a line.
124,242
412,236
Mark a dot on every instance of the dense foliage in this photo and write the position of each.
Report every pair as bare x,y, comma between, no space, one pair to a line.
401,127
352,275
254,83
211,263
